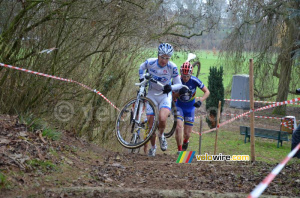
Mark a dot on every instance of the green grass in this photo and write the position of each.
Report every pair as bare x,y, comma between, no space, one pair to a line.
5,183
35,124
44,165
3,180
51,133
207,59
232,143
32,122
53,152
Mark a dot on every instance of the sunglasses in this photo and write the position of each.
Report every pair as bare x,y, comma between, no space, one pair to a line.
165,58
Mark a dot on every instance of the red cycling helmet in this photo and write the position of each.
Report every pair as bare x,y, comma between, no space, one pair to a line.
186,69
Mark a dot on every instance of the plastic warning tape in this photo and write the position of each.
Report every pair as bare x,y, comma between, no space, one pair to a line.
238,100
266,117
278,104
59,78
259,109
256,101
228,121
259,189
286,126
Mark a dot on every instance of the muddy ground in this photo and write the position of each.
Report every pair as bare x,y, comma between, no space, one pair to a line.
34,166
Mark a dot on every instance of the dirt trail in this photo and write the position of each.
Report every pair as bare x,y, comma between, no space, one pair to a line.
72,167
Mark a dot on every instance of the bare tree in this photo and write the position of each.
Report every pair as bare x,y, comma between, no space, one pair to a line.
268,31
98,43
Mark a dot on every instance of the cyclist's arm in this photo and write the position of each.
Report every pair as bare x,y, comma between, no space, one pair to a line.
206,94
143,67
176,83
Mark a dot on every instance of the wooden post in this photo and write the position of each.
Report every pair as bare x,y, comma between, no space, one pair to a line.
200,138
251,94
218,121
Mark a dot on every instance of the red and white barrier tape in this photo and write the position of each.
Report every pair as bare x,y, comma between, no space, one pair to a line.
278,104
286,126
58,78
228,114
246,113
289,122
228,121
213,129
257,101
259,189
267,117
238,100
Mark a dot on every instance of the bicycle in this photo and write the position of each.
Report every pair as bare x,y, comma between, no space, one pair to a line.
136,137
171,122
130,126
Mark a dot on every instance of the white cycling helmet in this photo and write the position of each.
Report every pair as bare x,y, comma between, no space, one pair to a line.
165,49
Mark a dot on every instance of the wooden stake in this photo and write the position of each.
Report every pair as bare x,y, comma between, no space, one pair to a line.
218,121
200,137
251,94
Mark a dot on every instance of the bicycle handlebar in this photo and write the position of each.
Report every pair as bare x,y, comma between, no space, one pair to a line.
162,91
148,77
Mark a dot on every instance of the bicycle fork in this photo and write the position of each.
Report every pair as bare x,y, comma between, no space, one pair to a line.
138,109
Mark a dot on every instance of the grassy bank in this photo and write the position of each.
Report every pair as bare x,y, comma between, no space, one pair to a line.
232,143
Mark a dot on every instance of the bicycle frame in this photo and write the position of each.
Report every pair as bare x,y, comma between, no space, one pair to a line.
139,107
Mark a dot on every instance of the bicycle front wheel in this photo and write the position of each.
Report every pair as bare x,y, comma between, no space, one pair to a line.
135,139
129,125
171,121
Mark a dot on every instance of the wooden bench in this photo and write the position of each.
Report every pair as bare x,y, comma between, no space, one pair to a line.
265,133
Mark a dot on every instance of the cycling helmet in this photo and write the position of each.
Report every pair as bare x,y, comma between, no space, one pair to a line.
165,49
186,69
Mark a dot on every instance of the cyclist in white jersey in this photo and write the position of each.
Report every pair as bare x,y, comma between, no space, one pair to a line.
162,70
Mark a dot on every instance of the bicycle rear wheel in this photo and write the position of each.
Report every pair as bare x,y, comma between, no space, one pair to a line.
127,127
171,121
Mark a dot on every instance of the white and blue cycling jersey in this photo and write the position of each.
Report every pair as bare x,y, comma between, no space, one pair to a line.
164,75
185,102
189,99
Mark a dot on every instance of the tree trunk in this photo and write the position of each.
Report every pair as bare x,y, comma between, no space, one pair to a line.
283,87
285,62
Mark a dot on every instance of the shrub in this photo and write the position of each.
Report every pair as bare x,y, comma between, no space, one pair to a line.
216,88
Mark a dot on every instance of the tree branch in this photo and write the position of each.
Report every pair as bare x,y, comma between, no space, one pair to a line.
134,4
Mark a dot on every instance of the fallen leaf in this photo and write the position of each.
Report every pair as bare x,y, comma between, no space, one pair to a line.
5,141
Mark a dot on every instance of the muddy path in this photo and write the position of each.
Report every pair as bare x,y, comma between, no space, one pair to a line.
34,166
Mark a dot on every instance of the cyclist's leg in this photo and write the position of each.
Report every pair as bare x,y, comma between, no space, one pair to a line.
145,135
150,115
189,115
165,104
163,115
187,131
150,123
179,129
146,147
